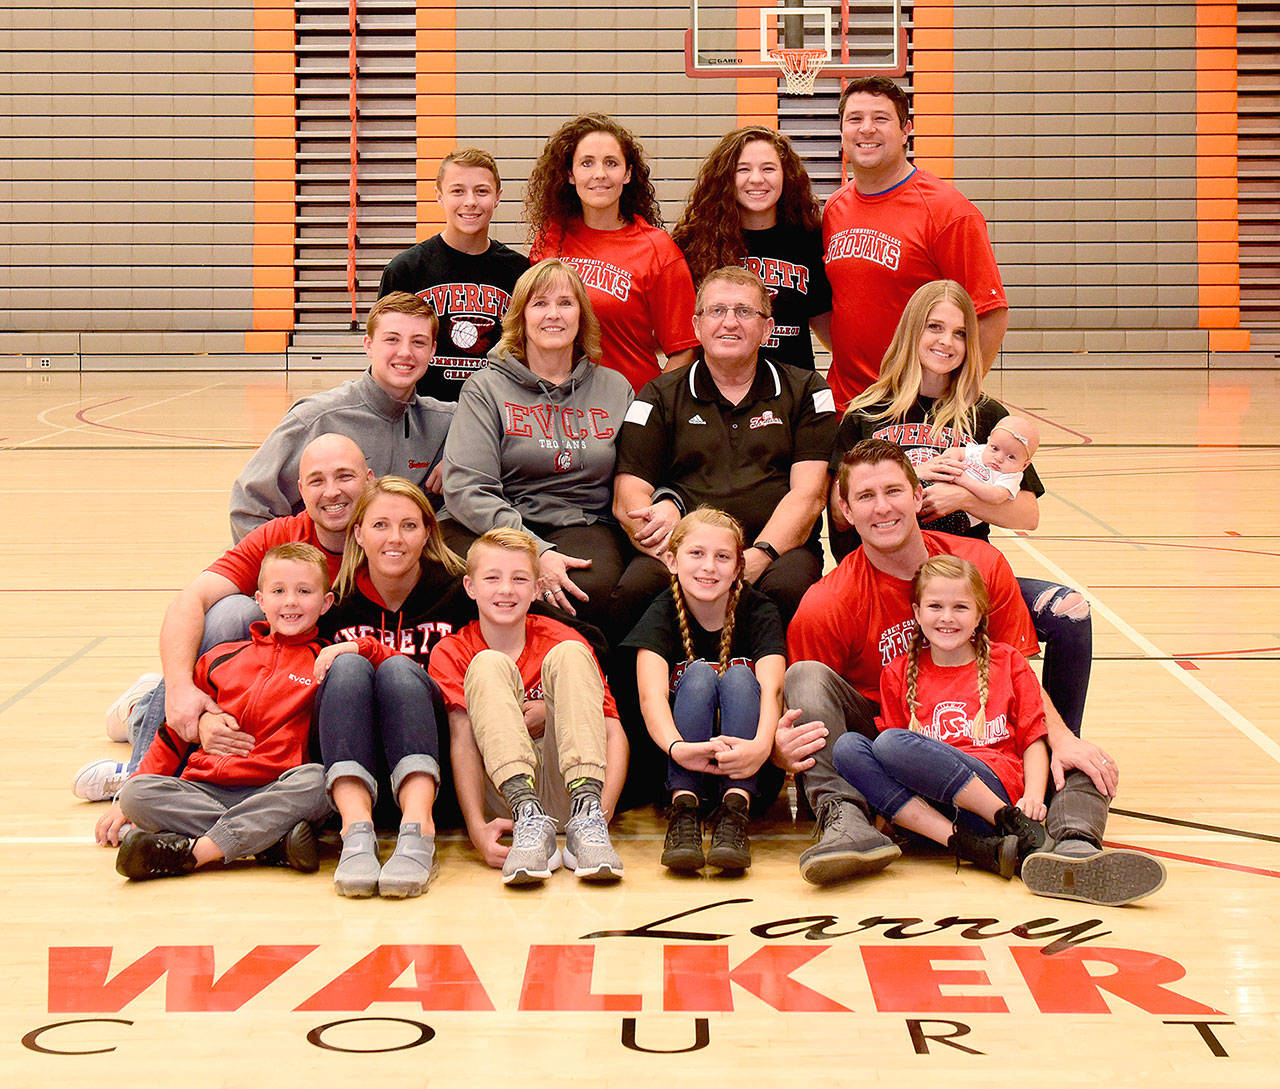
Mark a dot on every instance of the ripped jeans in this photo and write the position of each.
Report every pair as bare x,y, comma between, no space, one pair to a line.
1067,637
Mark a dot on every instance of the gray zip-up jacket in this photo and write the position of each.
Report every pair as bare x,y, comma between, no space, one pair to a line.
527,455
406,439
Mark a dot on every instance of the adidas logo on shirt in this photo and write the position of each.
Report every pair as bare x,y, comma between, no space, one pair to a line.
696,418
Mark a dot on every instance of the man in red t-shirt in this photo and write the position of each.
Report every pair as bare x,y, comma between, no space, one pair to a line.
855,621
888,231
214,607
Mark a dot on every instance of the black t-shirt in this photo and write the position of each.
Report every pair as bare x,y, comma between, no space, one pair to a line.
757,633
789,261
469,292
918,438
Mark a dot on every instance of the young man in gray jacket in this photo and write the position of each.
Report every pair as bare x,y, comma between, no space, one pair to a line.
399,431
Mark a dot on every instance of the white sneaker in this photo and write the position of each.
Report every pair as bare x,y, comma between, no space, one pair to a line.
118,713
99,780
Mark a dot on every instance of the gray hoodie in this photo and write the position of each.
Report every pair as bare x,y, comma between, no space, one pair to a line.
527,455
400,438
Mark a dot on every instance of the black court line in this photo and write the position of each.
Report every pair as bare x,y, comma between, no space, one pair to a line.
1195,824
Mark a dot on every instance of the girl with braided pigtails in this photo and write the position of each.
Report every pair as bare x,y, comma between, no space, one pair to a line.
709,666
962,730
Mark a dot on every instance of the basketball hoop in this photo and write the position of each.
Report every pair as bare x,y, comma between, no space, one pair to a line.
800,67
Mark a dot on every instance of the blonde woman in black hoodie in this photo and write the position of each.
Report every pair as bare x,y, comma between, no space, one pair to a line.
401,585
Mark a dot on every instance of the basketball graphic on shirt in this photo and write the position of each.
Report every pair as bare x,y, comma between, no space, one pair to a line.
464,333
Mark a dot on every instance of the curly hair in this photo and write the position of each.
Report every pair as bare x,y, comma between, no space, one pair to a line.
710,230
551,201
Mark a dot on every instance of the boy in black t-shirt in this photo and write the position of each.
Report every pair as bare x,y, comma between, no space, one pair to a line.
466,276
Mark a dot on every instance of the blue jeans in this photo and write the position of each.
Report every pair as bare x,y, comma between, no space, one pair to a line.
899,765
1068,648
700,693
226,622
370,718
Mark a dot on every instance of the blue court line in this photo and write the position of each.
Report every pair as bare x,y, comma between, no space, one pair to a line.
52,673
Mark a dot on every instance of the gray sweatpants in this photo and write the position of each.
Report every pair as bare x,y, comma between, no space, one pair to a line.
825,696
242,821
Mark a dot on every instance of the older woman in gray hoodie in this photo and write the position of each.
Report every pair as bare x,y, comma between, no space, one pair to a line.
532,444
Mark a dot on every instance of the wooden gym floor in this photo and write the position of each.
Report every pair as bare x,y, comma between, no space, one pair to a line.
1162,504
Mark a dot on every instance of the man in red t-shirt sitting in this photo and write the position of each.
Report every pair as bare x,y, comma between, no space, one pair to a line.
857,619
215,607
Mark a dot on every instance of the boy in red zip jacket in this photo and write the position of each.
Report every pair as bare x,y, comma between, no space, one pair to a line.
264,802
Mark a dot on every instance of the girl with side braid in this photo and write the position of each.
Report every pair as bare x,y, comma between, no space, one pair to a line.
709,666
962,730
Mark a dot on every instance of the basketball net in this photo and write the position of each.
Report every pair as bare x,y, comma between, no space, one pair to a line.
800,67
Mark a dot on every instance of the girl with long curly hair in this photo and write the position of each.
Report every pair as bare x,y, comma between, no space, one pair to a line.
752,205
590,202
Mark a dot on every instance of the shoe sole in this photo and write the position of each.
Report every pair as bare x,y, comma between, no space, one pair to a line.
729,860
834,866
1108,879
526,876
686,862
356,890
604,871
404,890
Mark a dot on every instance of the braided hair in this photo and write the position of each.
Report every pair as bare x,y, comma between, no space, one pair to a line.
716,519
952,567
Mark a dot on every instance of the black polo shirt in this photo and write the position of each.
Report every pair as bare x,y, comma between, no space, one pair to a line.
680,433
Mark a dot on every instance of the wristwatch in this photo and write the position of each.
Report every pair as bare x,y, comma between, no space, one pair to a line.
767,549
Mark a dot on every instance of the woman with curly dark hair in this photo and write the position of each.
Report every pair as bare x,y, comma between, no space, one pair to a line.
590,203
753,205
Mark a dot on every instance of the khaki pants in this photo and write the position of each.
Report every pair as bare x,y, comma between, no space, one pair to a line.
573,745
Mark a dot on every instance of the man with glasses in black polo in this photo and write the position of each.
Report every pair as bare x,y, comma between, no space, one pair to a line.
735,431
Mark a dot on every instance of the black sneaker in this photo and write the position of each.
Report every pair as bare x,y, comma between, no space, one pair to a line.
682,849
996,854
144,855
1011,821
730,845
295,849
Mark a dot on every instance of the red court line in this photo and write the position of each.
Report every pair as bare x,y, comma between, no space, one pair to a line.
1085,440
138,431
1157,544
1195,859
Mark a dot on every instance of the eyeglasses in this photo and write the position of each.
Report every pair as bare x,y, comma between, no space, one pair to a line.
719,312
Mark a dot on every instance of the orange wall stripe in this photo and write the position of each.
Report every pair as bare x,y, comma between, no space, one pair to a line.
1217,187
437,99
757,95
933,86
274,186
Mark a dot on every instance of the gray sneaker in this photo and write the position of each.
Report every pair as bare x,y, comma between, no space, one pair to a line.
847,845
533,855
410,869
587,850
357,871
1076,870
